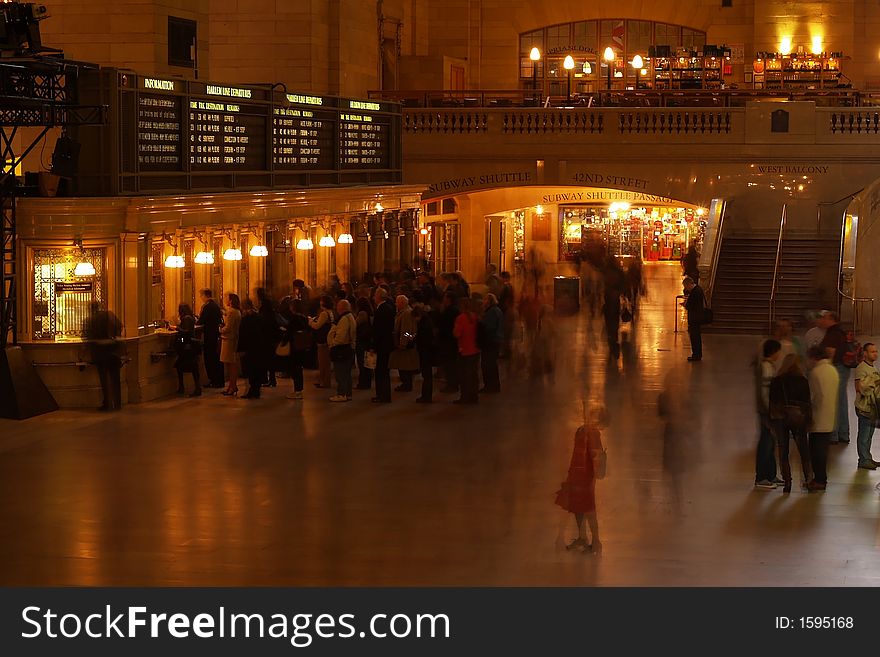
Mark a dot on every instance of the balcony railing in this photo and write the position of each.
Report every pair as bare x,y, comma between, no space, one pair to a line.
646,125
500,98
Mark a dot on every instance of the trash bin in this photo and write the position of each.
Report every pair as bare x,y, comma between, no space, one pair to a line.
566,294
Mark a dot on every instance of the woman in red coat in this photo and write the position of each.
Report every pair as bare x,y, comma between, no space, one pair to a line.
578,492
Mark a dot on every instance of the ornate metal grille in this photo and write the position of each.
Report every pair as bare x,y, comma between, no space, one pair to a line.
61,298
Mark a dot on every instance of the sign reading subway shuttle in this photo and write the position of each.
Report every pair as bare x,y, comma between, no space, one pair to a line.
177,135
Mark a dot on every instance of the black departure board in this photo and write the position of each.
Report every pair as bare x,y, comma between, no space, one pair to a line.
364,141
159,133
227,135
303,138
177,134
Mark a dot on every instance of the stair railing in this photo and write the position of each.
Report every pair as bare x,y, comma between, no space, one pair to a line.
857,302
716,254
776,270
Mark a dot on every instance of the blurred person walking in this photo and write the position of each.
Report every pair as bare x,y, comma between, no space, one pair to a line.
447,345
577,495
835,345
824,383
765,459
101,330
791,412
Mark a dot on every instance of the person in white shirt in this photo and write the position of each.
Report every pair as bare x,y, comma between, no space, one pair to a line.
867,389
824,384
814,335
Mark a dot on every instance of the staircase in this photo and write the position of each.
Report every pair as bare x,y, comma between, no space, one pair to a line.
741,298
807,277
806,281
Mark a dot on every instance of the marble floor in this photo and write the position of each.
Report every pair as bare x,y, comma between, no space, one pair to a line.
217,491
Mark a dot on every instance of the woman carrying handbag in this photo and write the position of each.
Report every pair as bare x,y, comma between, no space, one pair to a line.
577,495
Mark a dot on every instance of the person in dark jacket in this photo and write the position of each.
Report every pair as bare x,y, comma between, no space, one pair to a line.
493,321
447,345
101,329
254,344
187,349
426,346
210,320
695,303
364,319
383,343
690,264
614,287
791,416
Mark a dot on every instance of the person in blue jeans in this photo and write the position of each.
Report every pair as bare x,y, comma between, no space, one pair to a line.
867,387
834,343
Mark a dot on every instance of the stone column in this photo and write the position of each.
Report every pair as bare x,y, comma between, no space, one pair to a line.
392,243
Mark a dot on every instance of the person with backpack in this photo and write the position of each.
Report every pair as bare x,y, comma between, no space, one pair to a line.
791,413
842,351
867,390
465,332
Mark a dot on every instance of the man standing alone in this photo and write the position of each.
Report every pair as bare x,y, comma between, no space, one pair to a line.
695,305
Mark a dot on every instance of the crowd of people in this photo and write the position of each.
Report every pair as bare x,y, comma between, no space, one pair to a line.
802,394
410,324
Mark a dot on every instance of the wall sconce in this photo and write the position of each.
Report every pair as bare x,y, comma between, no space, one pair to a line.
204,258
423,231
232,254
379,207
539,210
305,244
327,240
259,251
83,267
174,261
345,238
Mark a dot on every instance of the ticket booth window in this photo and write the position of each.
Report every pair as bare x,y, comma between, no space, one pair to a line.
61,298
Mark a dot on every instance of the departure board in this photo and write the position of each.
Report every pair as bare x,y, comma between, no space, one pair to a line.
227,135
363,141
159,130
302,138
178,134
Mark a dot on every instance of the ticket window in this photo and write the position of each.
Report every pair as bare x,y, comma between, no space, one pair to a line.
63,291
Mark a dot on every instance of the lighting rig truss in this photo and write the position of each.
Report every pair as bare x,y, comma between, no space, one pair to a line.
35,92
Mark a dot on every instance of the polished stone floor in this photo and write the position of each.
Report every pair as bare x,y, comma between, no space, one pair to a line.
217,491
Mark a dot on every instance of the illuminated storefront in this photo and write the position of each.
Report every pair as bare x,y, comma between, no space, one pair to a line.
648,232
